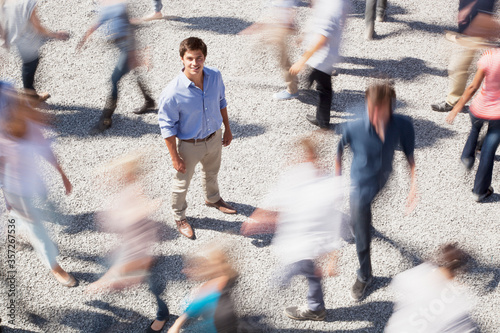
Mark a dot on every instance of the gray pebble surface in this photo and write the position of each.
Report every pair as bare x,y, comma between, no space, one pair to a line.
409,47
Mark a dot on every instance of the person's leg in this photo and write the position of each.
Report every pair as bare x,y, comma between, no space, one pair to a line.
210,167
458,73
149,102
361,216
370,18
485,168
292,81
381,7
191,154
28,73
121,68
157,6
315,300
324,87
469,153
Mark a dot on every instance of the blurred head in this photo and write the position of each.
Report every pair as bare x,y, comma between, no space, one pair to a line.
452,259
17,112
215,263
126,167
193,52
379,98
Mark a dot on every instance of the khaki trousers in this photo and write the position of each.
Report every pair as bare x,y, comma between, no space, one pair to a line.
208,153
278,36
458,72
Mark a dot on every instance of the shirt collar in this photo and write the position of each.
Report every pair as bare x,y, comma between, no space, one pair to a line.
187,82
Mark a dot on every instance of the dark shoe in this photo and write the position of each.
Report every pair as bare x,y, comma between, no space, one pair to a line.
481,197
185,229
312,119
303,313
150,330
148,105
222,206
442,107
359,288
102,125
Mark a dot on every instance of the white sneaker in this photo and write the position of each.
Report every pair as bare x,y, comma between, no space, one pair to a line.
284,95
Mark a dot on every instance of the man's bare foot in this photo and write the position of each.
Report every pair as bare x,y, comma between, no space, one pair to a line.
157,325
63,277
152,17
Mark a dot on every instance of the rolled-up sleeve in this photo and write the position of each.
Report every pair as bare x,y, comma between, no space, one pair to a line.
344,140
222,93
168,116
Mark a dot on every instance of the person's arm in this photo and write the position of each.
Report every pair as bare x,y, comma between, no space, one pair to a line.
332,264
412,196
89,32
176,327
228,136
467,95
177,161
35,21
299,65
340,152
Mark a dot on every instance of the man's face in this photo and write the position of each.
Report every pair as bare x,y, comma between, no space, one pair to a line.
193,62
380,112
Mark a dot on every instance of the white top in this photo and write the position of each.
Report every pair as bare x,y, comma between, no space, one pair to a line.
19,30
309,213
327,20
429,303
19,174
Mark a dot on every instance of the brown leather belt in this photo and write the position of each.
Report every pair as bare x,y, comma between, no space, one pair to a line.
200,140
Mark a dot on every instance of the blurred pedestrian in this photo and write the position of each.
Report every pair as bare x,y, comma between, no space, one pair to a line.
323,42
212,301
306,205
428,299
470,13
276,28
128,217
121,33
156,15
191,112
484,108
21,142
373,141
21,27
374,11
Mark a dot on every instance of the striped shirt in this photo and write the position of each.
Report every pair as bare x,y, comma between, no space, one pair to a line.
486,104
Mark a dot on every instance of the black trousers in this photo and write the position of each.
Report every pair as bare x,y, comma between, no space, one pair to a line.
324,87
28,73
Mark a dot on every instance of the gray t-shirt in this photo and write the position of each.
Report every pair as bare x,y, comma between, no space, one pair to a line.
19,31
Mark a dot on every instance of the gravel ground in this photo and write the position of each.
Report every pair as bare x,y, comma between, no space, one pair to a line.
410,48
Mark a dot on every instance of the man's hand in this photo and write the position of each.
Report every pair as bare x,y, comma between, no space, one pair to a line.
61,35
297,67
451,116
67,184
412,201
179,165
227,138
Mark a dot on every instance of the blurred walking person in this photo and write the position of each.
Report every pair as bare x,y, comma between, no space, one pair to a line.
322,52
374,11
21,141
484,108
121,33
373,141
429,301
305,210
128,217
21,28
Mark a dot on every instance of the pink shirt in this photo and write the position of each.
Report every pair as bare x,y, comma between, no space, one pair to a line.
486,104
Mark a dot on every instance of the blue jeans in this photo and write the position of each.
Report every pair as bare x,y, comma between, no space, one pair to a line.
157,5
488,150
157,287
122,67
469,152
306,268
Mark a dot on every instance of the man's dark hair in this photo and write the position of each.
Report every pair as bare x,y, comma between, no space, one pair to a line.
192,44
452,258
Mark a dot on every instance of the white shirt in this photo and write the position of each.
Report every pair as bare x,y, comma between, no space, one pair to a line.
309,213
327,20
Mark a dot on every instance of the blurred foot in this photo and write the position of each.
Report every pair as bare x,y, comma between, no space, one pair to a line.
369,32
442,107
380,17
359,288
147,106
303,313
284,95
152,17
63,277
222,206
185,229
43,97
481,197
156,326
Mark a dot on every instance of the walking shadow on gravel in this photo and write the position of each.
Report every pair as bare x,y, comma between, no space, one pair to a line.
220,25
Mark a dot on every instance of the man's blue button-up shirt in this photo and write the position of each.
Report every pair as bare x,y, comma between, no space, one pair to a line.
372,158
188,112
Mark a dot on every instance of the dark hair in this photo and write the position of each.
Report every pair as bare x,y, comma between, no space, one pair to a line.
452,258
192,44
381,91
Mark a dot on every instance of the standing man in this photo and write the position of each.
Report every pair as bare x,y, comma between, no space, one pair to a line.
373,141
191,112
